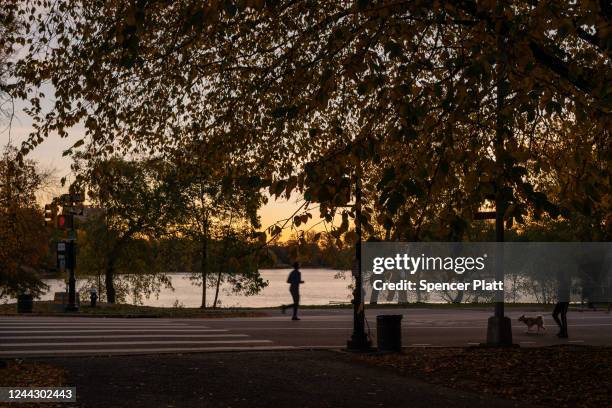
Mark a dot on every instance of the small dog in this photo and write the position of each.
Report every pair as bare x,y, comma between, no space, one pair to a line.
533,321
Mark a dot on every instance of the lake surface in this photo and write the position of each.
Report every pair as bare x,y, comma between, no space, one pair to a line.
320,288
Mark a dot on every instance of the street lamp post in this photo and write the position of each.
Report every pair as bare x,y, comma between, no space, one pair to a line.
359,340
499,329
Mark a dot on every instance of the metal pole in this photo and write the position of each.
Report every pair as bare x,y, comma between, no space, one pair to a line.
71,260
72,292
359,340
499,331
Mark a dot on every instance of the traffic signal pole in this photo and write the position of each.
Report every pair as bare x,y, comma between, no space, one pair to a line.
66,249
71,262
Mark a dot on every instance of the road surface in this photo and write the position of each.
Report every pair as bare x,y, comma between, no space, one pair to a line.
34,336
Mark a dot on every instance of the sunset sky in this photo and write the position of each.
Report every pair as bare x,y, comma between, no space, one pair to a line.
49,155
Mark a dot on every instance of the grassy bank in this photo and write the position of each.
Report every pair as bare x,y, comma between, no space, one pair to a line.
470,306
127,310
47,308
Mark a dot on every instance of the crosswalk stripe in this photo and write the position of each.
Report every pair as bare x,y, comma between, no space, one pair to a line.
106,324
93,321
77,329
113,330
122,336
91,324
121,343
143,350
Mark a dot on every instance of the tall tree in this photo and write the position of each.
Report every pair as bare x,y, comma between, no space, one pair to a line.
23,237
138,267
139,199
218,203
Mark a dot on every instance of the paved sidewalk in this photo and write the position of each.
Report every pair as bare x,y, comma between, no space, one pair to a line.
253,379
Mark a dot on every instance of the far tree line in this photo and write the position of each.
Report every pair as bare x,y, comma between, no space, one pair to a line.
144,223
146,220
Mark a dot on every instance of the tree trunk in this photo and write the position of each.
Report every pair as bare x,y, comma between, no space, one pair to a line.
217,290
224,263
110,270
224,258
109,280
204,269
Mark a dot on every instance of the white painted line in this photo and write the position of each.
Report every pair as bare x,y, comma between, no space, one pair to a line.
101,322
484,327
575,341
291,328
104,324
404,327
114,330
121,336
443,327
527,342
420,344
342,346
287,317
94,326
121,343
98,321
473,344
145,350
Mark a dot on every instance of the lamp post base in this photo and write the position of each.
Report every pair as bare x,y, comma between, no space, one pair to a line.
359,343
499,331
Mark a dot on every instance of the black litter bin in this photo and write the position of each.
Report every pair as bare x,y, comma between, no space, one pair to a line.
24,304
389,332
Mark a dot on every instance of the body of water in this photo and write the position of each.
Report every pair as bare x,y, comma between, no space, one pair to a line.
320,288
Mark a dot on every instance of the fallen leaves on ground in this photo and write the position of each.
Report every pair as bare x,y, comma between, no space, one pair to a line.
30,374
561,376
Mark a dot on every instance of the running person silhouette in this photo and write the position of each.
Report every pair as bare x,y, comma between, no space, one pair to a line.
294,280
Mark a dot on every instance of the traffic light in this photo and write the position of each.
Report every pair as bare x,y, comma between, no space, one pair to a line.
65,221
50,213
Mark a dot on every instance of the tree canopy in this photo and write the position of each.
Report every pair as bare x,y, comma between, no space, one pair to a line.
409,97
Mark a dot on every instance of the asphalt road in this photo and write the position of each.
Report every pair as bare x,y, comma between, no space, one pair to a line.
31,336
420,327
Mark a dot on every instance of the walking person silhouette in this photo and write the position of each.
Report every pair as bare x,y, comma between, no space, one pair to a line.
563,297
294,280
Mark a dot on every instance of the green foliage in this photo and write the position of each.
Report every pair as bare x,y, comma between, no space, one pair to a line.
137,201
138,265
217,214
23,237
312,249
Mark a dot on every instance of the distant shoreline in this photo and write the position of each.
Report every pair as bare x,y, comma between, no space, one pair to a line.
57,275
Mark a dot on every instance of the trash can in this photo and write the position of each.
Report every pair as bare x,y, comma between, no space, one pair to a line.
389,332
24,304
